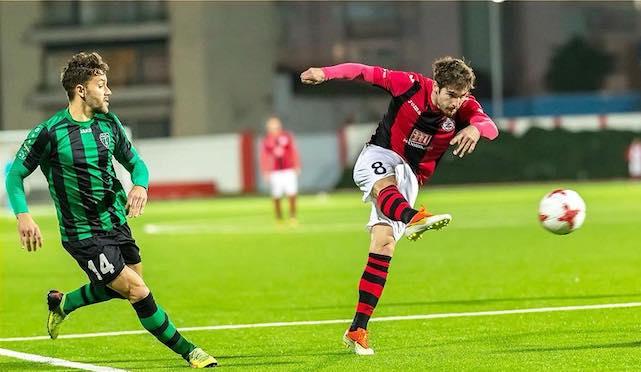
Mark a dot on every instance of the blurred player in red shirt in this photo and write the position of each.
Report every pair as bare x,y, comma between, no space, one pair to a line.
280,166
425,116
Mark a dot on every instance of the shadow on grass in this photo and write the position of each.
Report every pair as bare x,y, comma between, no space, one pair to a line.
614,345
258,364
98,361
474,301
224,361
220,365
290,353
485,340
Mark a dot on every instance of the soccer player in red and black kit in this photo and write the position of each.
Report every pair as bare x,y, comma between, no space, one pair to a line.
425,117
280,166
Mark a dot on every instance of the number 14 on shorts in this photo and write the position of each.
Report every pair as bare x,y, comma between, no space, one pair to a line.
105,266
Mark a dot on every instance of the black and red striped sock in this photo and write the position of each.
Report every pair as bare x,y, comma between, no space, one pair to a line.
370,289
394,205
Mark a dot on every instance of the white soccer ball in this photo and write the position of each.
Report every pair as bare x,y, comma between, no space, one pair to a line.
562,211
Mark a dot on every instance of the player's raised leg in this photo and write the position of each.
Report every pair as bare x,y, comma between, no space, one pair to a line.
395,206
156,321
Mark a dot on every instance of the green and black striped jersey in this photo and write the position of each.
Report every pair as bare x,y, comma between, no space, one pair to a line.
76,158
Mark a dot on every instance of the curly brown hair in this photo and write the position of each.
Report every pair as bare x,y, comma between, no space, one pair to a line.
80,68
453,73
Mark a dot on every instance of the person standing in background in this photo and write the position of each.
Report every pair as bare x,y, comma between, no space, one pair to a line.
280,166
633,156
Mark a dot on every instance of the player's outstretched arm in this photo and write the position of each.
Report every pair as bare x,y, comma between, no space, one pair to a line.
395,82
347,71
313,76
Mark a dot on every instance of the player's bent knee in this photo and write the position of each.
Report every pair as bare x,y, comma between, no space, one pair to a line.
383,245
383,183
138,292
382,240
137,268
130,285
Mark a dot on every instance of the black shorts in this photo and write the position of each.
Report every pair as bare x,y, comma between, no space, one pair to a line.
104,256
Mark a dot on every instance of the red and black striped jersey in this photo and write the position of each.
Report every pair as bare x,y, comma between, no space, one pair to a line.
412,126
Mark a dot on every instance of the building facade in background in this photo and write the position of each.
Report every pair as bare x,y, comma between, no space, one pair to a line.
193,68
176,69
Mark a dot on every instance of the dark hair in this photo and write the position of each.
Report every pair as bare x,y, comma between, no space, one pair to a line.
453,73
80,68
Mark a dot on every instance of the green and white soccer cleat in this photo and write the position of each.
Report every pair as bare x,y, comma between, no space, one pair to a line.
424,221
198,358
56,315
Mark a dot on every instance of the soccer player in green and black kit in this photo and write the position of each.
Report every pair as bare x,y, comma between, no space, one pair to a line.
74,149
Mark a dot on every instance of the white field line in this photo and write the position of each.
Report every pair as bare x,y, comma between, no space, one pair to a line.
215,228
340,321
224,227
56,361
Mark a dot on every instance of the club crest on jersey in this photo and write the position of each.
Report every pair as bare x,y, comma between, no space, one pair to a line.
448,125
419,139
105,139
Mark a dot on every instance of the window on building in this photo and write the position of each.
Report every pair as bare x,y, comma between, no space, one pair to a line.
59,12
154,65
129,64
372,20
79,12
148,128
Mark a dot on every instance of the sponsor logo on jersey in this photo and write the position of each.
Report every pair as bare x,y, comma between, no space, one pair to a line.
85,130
418,139
418,111
105,139
448,125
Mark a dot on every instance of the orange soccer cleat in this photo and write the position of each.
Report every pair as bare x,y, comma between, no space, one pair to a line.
357,341
423,221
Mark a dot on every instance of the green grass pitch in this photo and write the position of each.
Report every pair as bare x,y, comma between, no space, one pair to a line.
224,261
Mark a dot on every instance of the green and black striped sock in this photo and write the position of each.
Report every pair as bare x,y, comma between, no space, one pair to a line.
88,294
156,321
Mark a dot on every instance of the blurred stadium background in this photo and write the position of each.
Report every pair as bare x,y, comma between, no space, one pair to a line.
194,83
198,79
